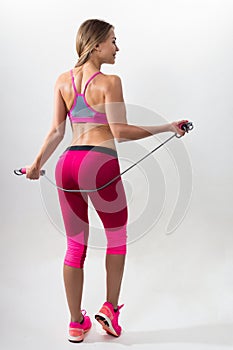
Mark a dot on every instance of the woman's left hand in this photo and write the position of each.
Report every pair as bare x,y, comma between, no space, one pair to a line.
175,126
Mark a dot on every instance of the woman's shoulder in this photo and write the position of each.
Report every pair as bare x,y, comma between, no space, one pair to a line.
111,80
62,77
111,77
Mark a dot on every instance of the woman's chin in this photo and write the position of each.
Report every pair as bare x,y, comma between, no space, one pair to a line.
110,61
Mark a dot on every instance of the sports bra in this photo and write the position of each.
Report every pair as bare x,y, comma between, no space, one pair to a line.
81,111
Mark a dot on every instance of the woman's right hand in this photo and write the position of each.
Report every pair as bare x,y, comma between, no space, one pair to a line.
175,127
32,172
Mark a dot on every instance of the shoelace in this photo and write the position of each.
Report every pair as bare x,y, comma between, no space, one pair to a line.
120,307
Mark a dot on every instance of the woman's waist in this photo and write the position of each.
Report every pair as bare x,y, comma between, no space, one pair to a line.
94,141
93,148
95,138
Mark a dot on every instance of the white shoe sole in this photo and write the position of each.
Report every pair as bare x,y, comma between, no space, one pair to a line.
106,324
78,339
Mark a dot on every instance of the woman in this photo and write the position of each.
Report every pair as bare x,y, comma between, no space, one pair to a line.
95,105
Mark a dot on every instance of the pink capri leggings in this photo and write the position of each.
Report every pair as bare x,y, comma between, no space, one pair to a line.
90,167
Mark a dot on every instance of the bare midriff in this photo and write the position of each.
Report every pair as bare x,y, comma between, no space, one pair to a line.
92,134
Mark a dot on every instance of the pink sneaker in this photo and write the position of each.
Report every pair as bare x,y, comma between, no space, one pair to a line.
77,330
108,318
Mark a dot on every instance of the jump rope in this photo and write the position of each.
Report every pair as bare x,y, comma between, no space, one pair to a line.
186,126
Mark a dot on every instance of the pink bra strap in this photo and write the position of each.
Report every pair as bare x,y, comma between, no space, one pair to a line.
72,75
92,77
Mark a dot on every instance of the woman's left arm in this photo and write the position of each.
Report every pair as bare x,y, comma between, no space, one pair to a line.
54,137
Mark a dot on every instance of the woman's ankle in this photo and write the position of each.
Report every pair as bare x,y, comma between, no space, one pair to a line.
77,319
114,304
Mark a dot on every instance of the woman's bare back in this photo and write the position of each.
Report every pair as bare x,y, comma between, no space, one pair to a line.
87,133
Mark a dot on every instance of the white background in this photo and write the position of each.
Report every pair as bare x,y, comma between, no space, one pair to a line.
176,59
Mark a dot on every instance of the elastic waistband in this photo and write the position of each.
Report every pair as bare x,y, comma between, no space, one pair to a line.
101,149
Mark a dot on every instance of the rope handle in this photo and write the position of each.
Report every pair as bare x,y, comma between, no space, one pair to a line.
23,171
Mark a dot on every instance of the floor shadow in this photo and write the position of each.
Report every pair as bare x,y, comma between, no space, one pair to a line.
216,334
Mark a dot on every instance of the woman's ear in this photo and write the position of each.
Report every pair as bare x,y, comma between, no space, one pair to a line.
97,47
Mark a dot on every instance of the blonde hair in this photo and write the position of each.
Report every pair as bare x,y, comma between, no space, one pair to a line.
91,33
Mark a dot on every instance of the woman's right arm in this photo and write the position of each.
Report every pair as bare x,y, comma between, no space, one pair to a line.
116,114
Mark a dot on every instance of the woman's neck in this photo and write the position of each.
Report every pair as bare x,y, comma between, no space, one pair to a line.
93,64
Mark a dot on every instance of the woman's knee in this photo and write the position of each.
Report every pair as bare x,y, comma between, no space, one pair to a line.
75,253
116,240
